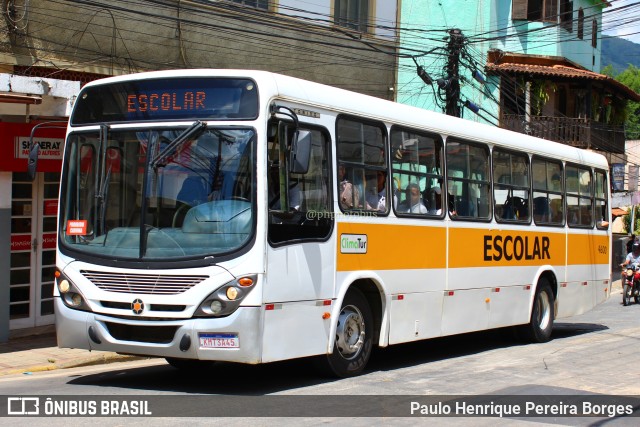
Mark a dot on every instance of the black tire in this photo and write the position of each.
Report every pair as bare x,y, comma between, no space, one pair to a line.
540,325
190,365
626,295
353,343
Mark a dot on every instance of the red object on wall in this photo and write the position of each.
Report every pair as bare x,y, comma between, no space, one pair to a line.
14,139
49,241
20,242
51,207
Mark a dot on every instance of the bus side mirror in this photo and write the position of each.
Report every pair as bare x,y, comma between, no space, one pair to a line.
32,164
300,152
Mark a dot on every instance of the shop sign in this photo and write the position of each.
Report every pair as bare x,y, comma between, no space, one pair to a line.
617,172
50,148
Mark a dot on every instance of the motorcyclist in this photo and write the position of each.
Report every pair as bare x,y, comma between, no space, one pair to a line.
633,239
633,257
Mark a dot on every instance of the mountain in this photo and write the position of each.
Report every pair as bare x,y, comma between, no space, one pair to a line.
620,53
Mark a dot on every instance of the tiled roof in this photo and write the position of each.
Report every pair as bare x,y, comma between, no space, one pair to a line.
562,71
618,212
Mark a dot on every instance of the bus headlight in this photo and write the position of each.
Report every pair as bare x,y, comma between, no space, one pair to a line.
64,286
232,293
69,294
73,299
227,298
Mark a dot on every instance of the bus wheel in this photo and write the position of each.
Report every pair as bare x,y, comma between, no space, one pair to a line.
189,364
539,327
353,342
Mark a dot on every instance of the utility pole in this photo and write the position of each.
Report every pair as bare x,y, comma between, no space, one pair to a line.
454,47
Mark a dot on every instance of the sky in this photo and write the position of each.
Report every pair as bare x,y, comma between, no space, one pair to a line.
622,24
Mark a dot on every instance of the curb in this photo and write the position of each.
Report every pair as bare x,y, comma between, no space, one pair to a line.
102,359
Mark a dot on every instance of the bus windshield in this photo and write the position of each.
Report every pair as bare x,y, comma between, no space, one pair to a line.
158,193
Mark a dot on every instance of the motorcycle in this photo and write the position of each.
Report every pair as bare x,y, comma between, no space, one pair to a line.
631,284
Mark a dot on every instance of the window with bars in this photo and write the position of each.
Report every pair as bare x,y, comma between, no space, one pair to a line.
580,23
352,14
257,4
535,10
566,14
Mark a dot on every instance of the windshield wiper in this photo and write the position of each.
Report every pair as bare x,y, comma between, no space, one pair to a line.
191,132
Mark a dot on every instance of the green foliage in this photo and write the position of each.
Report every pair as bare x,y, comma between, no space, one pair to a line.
608,71
540,94
626,220
630,78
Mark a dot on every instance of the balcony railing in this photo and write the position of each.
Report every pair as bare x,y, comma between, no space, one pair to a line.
582,133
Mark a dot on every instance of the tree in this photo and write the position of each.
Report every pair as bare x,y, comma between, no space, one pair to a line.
626,220
630,78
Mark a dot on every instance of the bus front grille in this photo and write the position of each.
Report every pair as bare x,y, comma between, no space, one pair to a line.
152,307
148,334
142,283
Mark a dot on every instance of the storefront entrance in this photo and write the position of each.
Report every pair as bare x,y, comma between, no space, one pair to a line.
34,206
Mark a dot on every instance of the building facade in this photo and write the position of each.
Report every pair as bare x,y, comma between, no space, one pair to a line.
532,66
48,49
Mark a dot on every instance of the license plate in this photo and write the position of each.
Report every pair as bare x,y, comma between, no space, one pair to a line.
219,341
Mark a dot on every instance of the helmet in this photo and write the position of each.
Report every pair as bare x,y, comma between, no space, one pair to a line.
636,245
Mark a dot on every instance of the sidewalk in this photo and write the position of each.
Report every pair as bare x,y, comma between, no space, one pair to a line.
37,353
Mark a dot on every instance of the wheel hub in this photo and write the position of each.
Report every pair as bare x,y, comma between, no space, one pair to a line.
544,311
350,332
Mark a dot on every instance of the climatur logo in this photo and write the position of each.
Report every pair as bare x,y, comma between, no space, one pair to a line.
353,243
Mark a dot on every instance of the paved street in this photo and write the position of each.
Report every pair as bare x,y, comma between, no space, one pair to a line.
587,355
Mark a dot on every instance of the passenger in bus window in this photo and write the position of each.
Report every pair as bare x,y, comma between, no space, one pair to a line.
349,194
376,194
413,201
451,204
435,201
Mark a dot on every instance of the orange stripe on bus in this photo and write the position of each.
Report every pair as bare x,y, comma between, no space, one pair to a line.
393,247
397,247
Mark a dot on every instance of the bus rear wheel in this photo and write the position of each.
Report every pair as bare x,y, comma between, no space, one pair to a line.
542,314
353,340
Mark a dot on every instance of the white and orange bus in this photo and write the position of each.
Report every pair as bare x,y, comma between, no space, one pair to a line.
227,215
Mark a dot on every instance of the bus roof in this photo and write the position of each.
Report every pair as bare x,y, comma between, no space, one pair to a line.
273,85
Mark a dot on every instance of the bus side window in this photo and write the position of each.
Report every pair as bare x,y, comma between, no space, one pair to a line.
306,213
548,195
417,171
511,186
468,178
601,196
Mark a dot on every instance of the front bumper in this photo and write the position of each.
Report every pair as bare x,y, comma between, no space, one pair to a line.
160,338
